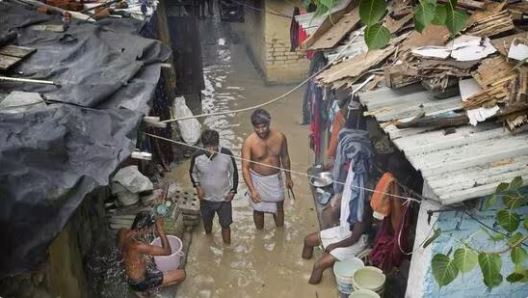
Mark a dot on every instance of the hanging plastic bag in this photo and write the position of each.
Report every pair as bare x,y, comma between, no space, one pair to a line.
190,128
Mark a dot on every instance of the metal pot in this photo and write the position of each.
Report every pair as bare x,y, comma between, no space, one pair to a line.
322,179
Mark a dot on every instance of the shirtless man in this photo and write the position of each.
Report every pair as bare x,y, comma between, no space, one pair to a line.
269,148
143,275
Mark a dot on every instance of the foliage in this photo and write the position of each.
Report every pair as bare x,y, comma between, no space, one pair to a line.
371,13
465,258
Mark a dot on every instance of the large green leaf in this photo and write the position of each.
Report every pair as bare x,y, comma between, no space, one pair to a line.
424,14
440,15
525,223
455,19
518,255
513,200
516,237
444,269
516,183
465,259
371,11
502,187
376,36
490,201
515,277
508,220
433,237
490,266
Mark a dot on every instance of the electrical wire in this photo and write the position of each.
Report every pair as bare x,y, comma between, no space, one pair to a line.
276,98
262,10
280,168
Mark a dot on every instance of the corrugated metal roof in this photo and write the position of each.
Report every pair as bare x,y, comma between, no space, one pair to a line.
467,164
309,22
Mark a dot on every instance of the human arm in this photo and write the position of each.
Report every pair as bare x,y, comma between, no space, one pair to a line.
285,162
233,173
195,178
246,157
154,250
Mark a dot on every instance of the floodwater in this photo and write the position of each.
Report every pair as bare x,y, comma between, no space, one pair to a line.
263,263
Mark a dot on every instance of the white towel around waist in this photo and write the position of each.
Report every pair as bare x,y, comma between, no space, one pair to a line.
271,191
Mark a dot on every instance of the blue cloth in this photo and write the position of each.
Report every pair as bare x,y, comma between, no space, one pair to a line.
354,147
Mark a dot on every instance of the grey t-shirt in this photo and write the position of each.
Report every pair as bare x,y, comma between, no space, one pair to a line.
217,175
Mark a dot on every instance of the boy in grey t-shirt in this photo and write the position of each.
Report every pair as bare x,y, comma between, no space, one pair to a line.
215,177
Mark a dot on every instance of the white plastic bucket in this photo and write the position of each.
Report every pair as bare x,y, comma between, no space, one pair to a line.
344,272
362,293
172,261
369,278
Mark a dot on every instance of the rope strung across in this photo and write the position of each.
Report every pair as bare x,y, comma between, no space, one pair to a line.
280,168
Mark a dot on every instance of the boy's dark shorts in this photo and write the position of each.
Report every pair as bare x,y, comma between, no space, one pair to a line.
223,209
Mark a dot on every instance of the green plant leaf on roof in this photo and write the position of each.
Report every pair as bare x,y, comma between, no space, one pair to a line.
371,11
376,36
513,200
424,14
440,15
465,259
444,269
455,19
518,255
508,220
502,187
515,238
490,201
515,277
516,183
490,266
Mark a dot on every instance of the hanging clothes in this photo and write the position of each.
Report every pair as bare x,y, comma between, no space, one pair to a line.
391,243
354,146
355,149
337,125
317,63
294,31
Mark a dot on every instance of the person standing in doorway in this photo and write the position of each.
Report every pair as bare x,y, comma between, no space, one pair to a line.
214,174
264,153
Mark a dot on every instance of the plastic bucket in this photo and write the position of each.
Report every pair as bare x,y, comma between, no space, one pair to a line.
344,272
172,261
364,294
369,278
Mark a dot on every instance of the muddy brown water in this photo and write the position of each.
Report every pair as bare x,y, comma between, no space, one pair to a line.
263,263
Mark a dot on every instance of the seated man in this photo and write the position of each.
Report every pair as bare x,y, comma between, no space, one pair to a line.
143,275
340,243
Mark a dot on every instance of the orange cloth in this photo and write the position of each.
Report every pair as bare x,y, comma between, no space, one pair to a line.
337,125
381,202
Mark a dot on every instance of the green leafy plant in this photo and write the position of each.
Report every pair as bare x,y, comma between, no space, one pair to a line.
465,259
371,13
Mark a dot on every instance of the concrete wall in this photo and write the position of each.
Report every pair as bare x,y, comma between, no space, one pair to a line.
268,41
457,226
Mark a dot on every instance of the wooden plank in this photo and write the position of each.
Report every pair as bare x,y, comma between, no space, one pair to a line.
16,51
7,62
471,4
335,34
327,24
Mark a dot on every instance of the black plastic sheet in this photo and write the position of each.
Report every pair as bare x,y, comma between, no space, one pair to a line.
52,157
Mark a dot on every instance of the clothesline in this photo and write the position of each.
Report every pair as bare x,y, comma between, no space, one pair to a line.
263,10
283,169
280,96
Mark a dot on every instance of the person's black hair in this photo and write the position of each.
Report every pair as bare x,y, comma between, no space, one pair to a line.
143,219
210,138
260,116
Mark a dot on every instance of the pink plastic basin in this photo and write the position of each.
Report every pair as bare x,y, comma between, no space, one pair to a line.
171,262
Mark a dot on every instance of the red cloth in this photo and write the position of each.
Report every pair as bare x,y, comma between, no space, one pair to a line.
337,125
387,253
302,37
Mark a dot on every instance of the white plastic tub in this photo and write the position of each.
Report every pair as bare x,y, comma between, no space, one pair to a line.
171,262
